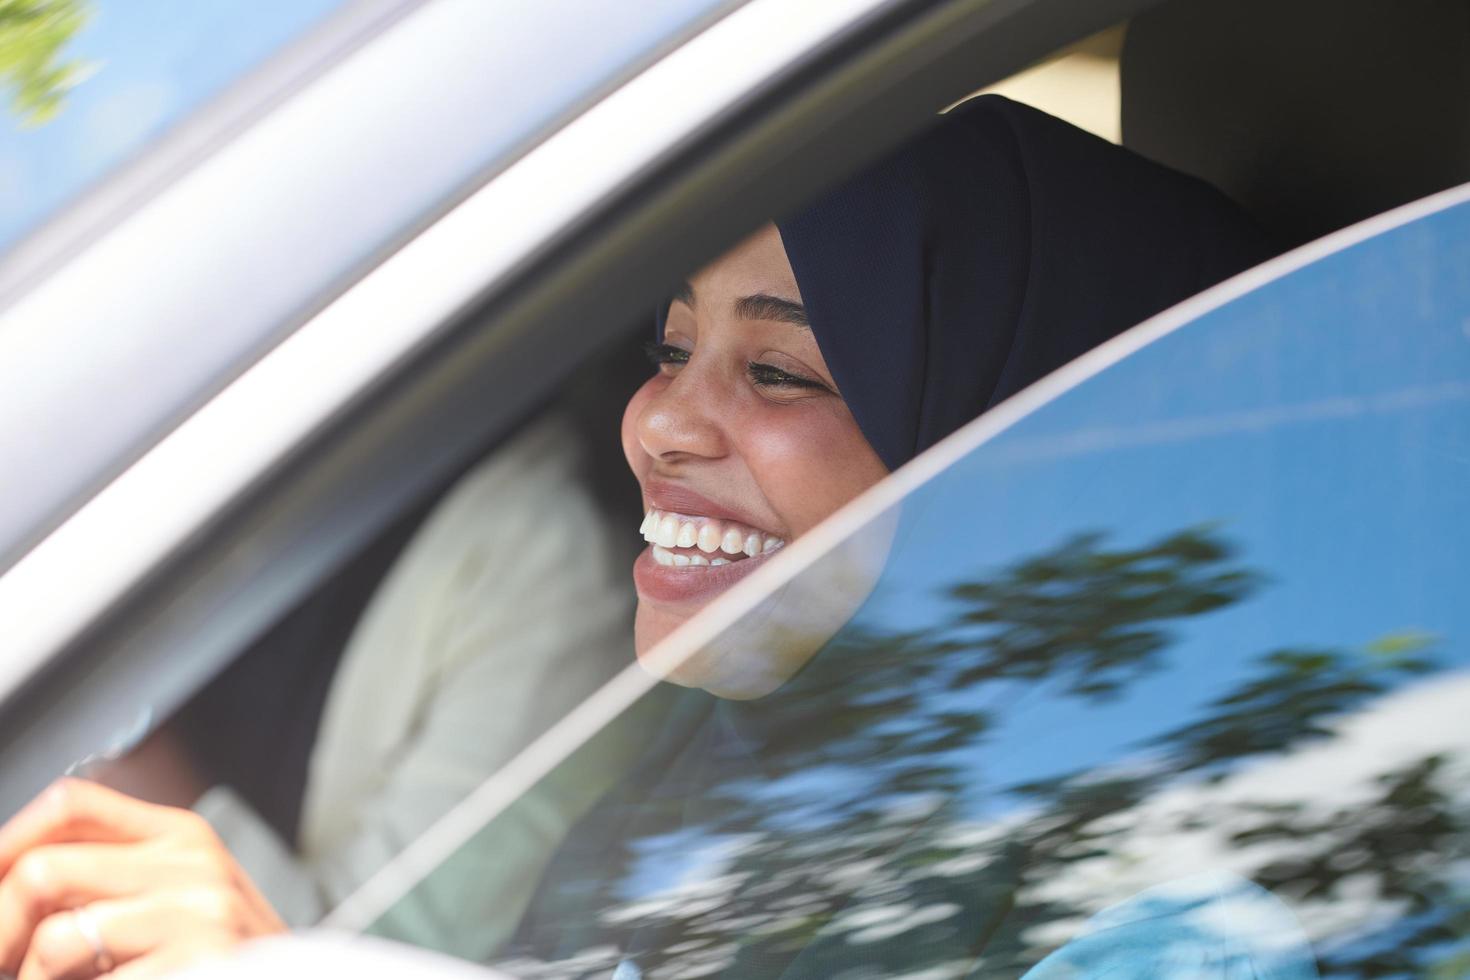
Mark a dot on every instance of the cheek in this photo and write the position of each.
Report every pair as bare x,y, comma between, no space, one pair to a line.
809,461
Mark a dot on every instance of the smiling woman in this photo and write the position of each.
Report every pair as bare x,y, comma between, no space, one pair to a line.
793,373
799,368
740,442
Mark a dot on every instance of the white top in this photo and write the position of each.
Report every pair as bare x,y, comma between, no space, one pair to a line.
506,609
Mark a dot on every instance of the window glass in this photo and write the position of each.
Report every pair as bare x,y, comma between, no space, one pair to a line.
93,82
1166,679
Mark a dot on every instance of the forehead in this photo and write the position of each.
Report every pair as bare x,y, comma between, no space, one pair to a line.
757,265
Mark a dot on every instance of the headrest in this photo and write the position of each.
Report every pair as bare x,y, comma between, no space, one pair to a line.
1313,114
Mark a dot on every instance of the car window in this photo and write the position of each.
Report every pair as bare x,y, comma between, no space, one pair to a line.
1160,668
396,131
93,82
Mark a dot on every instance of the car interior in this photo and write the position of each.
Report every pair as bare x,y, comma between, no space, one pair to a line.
1313,114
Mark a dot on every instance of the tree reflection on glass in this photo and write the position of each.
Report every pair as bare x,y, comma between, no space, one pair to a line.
1093,615
851,824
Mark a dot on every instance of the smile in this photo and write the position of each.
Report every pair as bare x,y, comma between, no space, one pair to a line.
688,541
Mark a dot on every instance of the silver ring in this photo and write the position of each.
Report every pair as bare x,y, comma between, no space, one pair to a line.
86,925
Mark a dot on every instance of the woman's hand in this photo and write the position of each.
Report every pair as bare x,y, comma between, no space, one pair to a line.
94,883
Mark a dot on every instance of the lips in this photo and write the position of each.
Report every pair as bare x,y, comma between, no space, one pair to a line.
678,498
688,584
696,551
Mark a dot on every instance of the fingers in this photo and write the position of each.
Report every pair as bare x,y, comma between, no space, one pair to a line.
157,882
60,949
74,810
139,936
54,878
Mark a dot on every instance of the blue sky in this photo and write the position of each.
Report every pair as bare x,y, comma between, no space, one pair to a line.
1321,424
153,61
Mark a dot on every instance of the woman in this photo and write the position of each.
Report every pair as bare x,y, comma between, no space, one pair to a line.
793,373
368,748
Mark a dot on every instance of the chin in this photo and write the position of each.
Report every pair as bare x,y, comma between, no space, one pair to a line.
731,667
707,668
776,638
696,668
650,627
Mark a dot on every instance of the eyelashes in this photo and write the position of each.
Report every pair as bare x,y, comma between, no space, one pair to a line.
661,354
768,376
762,375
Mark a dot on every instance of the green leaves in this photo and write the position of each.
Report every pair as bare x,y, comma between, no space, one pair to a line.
32,36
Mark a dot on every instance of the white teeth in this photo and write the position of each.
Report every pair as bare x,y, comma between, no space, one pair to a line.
668,532
687,535
664,556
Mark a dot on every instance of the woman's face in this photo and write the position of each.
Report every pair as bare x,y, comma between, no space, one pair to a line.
740,441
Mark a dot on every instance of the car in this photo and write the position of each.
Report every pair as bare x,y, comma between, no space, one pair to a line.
1175,633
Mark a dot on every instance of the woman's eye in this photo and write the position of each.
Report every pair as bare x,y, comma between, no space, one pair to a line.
661,354
767,375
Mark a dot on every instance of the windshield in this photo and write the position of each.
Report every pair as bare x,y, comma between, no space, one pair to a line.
93,82
1168,674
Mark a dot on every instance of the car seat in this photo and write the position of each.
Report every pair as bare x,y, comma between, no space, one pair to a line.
1313,114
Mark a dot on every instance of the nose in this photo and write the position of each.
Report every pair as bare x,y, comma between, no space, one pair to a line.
681,419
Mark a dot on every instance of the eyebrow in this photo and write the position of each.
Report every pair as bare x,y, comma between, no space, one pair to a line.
761,306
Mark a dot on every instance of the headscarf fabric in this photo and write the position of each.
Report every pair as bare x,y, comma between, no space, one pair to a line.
988,252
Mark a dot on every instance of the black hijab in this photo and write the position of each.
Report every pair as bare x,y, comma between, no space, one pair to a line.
988,252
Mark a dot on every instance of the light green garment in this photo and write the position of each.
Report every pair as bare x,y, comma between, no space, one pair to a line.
510,605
